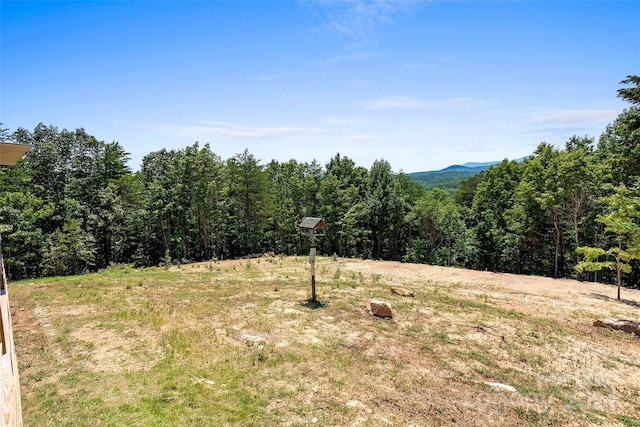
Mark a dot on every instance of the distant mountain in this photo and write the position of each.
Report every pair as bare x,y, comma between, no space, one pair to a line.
477,165
459,168
449,178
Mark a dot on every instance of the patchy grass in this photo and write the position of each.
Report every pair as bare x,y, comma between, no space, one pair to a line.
237,343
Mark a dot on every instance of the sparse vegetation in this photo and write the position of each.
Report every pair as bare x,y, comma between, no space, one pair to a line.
239,344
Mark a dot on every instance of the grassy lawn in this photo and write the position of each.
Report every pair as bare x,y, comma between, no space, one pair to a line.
236,343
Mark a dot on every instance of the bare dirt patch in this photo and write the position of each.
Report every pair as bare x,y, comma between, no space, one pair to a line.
111,351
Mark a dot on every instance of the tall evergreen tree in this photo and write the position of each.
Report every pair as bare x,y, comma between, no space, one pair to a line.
342,197
251,201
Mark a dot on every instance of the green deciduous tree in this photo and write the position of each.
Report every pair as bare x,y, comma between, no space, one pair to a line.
619,145
619,148
72,250
442,235
622,223
489,217
23,241
293,188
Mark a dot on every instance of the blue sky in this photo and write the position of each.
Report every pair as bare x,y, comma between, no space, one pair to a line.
420,84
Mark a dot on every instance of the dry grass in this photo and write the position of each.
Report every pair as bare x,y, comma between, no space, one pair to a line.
235,343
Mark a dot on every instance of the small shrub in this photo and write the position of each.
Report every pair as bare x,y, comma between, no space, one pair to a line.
628,421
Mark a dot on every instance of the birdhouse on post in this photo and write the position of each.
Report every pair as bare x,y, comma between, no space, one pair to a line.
312,227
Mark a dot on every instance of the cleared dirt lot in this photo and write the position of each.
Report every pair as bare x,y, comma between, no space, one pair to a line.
236,343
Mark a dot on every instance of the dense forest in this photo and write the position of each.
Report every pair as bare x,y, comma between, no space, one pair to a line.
74,205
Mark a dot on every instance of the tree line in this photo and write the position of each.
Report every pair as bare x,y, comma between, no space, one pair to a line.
74,205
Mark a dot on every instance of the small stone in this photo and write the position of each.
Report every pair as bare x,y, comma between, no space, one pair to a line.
252,339
403,292
502,386
204,380
314,420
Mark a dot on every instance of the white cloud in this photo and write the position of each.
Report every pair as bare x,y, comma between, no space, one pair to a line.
360,18
577,116
411,102
359,138
395,102
277,76
233,130
346,121
352,57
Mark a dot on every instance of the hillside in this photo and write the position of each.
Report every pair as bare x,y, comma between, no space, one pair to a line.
449,178
235,343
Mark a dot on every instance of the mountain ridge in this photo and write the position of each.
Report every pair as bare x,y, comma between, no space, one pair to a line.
449,178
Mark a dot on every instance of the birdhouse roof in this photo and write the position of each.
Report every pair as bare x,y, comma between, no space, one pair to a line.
313,223
11,153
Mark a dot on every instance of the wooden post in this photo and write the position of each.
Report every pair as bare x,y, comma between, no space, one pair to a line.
312,227
312,261
10,404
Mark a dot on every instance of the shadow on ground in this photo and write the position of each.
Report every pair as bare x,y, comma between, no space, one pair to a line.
312,304
628,302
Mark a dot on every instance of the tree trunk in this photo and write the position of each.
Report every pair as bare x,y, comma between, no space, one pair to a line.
559,257
618,280
576,212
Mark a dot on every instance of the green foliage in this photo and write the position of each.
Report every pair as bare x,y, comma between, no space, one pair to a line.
72,250
250,200
489,215
386,208
73,204
630,94
622,222
23,240
590,263
619,148
342,196
628,421
443,237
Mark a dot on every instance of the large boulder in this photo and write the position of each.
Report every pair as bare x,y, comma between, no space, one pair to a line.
380,308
